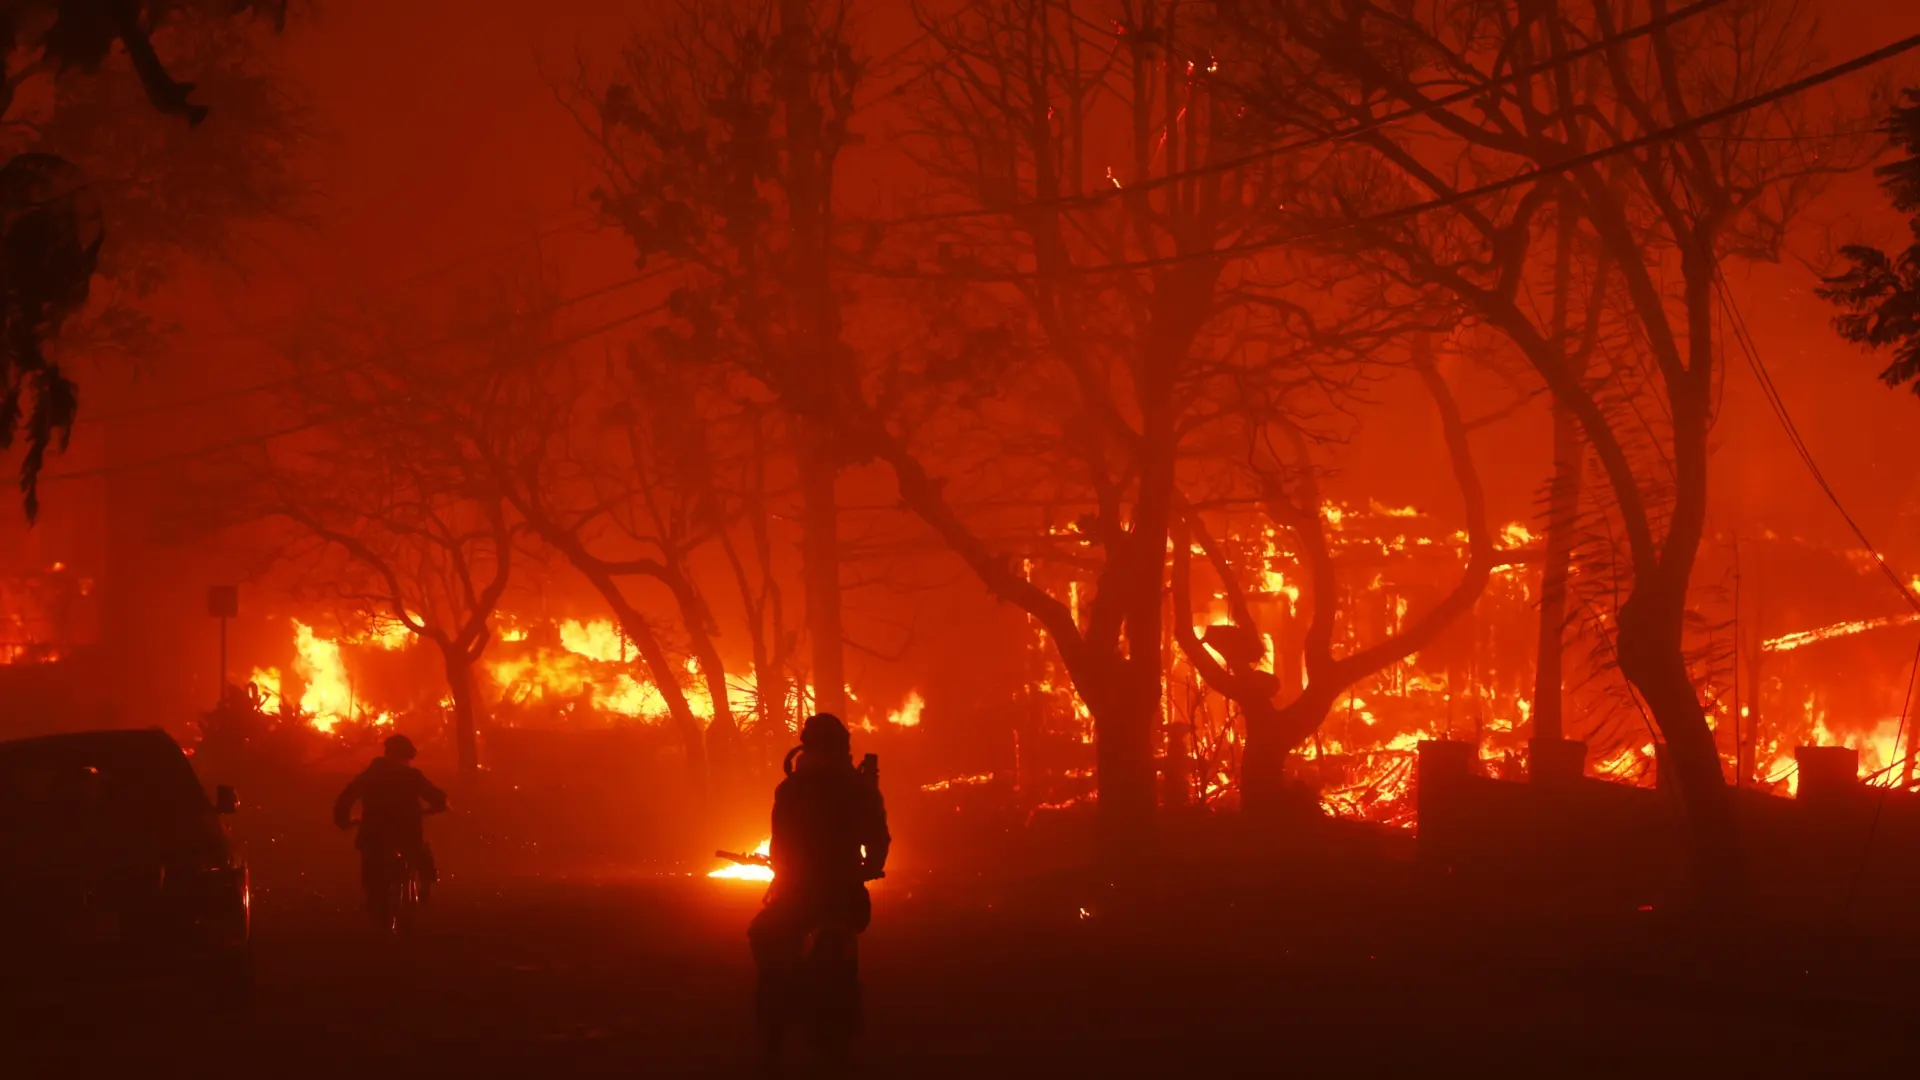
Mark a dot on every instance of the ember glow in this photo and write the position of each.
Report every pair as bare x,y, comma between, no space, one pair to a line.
958,781
747,871
1802,638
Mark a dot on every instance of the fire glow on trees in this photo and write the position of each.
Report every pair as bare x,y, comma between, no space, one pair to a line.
1475,685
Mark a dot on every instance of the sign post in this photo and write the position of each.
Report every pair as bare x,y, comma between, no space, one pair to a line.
223,603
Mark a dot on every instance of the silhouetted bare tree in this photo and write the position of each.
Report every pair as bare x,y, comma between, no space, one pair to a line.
720,139
1280,717
1622,113
380,478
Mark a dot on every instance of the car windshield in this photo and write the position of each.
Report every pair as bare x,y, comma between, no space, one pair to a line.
127,788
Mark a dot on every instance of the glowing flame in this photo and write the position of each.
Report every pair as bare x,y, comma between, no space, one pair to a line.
591,669
266,682
965,781
742,872
631,697
328,697
1516,534
387,634
1880,748
1798,638
1617,763
597,640
908,714
1272,580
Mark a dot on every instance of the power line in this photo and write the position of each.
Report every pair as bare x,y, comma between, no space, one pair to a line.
1363,128
1778,403
265,437
1651,138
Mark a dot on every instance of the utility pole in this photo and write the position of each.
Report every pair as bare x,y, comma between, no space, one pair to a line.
223,603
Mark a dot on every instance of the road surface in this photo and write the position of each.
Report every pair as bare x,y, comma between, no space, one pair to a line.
647,975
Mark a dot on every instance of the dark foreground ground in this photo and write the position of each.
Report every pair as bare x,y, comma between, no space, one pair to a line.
1364,974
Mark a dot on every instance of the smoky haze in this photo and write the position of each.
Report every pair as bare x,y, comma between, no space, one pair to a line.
1307,503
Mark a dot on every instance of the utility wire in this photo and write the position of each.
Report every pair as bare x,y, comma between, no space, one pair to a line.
1798,86
1365,127
1779,405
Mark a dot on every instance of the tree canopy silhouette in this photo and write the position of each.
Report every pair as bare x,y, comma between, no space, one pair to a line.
51,227
1879,294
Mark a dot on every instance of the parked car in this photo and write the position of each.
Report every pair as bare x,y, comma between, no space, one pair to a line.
115,863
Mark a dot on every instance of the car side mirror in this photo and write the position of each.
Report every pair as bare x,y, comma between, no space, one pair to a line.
225,800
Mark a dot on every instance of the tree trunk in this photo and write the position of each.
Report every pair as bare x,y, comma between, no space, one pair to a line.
820,569
655,667
1651,658
722,733
1263,761
1563,505
1563,510
809,281
1124,697
1276,735
660,672
766,615
723,736
460,685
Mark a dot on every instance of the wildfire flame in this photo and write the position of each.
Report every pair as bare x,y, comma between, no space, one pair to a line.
1798,638
596,640
388,634
577,673
1881,749
908,714
328,697
963,781
267,682
746,872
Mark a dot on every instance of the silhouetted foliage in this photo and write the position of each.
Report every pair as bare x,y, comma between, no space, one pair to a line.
51,228
1880,292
